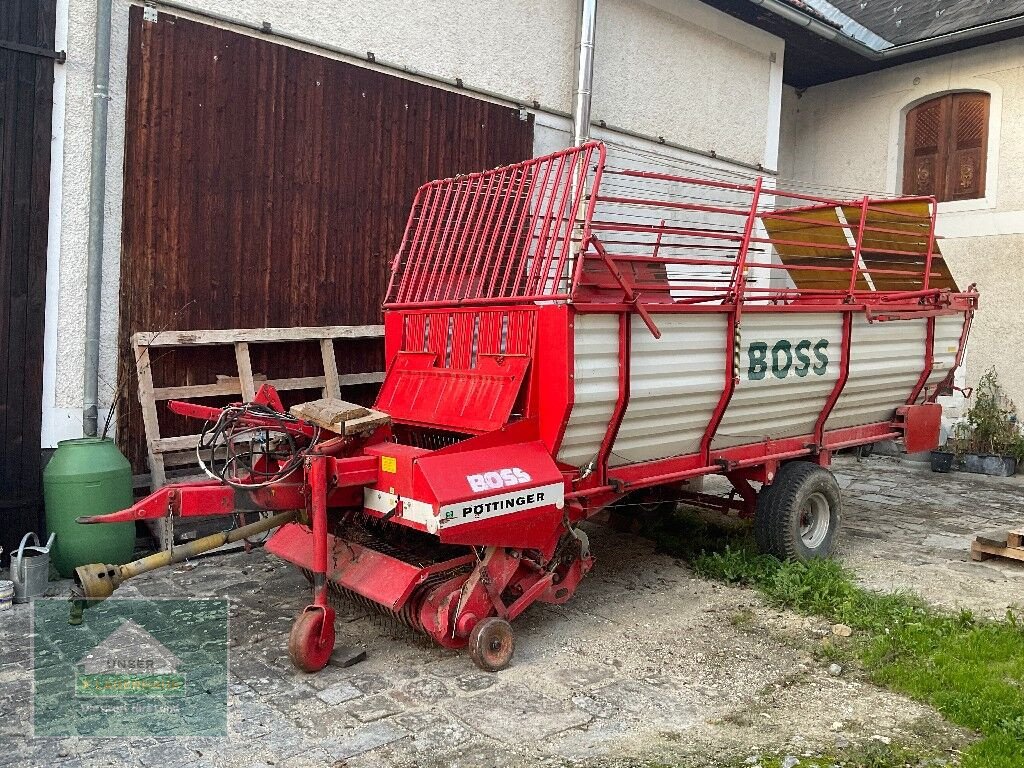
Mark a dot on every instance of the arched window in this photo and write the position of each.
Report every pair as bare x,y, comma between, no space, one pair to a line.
946,147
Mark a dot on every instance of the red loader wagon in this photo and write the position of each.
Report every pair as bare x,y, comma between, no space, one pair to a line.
562,336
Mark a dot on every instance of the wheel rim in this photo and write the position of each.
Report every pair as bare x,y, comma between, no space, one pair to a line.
815,520
496,646
312,641
492,644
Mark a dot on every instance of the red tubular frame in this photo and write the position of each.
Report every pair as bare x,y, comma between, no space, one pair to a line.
704,240
515,234
458,234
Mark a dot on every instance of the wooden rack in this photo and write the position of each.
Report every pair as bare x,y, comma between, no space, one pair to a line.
165,452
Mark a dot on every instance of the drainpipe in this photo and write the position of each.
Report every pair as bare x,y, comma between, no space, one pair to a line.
585,78
97,198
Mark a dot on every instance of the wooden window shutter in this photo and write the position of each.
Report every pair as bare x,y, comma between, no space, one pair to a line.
968,145
924,167
946,147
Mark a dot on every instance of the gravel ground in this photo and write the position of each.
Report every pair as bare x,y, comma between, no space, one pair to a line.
645,663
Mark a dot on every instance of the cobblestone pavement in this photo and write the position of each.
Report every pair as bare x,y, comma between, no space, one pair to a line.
907,527
645,662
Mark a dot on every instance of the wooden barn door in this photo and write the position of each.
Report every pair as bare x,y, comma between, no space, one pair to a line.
267,186
26,102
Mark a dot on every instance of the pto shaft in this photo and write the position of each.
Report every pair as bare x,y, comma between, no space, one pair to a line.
97,582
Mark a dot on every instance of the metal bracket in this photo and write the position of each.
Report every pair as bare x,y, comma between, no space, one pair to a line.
631,297
58,56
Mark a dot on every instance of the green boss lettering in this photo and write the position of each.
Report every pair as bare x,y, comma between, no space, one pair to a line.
821,357
803,364
782,359
785,356
758,355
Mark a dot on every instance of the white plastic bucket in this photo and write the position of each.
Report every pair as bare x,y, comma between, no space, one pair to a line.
6,595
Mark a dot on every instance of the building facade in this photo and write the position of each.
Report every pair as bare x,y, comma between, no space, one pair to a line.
854,133
672,77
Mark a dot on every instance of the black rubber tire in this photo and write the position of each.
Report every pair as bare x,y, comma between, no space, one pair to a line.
782,505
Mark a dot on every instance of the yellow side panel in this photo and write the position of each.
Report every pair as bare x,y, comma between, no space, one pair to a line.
812,237
908,224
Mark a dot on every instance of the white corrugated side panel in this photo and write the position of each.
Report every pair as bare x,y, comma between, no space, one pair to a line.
596,386
947,342
773,407
675,383
886,360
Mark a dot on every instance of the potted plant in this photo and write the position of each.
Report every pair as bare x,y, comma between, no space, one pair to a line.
988,439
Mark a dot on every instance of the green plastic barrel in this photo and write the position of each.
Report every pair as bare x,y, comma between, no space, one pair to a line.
88,476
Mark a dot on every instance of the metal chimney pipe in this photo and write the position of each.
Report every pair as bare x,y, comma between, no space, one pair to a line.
97,197
585,76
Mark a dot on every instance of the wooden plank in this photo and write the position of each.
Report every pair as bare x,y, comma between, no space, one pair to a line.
299,382
257,335
1015,539
319,382
330,413
367,423
174,475
350,379
233,387
257,378
245,370
184,459
980,551
187,457
144,372
180,443
332,387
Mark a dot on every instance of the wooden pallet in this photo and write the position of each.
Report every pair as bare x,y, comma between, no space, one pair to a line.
169,452
1007,544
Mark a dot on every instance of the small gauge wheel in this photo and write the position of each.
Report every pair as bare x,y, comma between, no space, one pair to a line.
491,644
311,641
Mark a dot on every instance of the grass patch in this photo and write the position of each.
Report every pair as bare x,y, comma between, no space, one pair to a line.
873,754
870,755
970,670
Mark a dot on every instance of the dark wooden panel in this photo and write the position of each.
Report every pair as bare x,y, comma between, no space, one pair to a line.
26,100
266,186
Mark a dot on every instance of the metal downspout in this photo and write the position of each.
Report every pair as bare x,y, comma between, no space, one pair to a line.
97,198
585,76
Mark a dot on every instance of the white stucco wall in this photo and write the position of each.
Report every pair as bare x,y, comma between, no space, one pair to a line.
850,134
686,72
672,68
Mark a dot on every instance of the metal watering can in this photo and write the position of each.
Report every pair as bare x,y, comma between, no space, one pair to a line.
30,568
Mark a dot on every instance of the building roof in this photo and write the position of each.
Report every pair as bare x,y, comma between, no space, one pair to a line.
898,22
800,5
829,40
